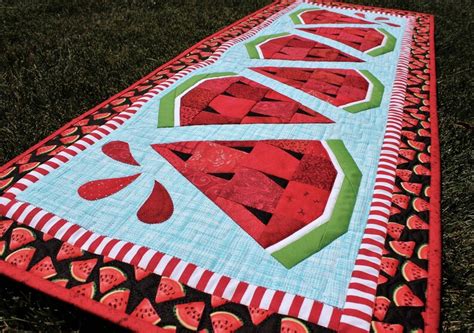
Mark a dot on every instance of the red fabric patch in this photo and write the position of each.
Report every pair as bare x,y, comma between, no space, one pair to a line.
278,229
99,189
278,109
302,202
272,160
198,98
293,47
207,118
231,106
335,86
241,90
316,170
119,151
243,189
158,207
218,86
215,158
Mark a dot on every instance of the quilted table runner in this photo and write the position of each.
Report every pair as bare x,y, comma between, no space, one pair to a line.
280,176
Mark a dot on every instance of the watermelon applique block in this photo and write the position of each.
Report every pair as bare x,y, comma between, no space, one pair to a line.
226,98
294,197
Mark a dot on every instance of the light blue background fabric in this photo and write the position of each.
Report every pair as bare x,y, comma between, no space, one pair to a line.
199,232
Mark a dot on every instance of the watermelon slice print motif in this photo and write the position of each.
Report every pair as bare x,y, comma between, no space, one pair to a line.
372,41
225,98
286,194
351,90
291,47
156,209
322,16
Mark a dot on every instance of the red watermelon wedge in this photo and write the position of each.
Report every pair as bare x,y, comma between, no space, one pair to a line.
233,100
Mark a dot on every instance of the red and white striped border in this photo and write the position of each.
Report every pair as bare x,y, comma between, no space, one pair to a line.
357,312
358,308
175,268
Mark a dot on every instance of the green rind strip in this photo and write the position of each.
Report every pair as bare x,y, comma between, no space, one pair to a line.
338,223
388,47
294,16
375,98
252,45
166,109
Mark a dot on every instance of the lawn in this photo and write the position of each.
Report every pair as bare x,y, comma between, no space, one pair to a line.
60,58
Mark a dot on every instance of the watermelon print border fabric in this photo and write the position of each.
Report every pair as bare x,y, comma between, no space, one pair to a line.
277,120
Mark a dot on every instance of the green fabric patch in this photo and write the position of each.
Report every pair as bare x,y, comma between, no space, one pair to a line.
375,97
388,47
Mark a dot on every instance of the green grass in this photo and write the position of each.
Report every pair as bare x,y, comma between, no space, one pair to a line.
60,58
